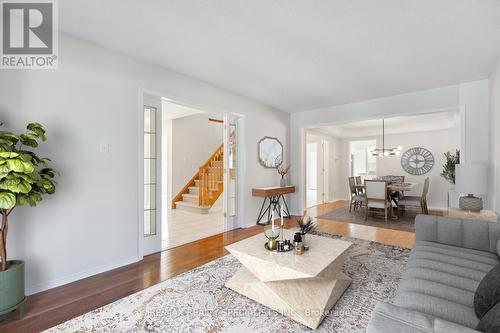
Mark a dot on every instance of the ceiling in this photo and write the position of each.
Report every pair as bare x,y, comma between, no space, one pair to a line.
173,111
395,125
300,54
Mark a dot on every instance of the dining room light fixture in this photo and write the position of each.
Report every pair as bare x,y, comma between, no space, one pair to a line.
381,152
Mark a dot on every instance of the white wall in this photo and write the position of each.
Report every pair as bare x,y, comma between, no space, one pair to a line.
194,139
335,190
90,224
438,143
495,138
472,97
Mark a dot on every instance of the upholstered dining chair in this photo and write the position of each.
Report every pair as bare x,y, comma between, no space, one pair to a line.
416,201
357,199
376,197
359,182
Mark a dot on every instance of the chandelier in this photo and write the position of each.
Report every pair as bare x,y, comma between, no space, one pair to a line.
380,152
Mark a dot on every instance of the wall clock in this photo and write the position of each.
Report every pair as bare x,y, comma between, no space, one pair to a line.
417,161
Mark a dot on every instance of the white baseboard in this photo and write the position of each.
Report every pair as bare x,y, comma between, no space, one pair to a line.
33,289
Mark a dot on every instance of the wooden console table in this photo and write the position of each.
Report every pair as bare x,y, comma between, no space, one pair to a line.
484,215
274,196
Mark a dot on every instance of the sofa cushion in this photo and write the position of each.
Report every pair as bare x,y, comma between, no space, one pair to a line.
490,323
448,279
459,249
498,247
438,307
455,255
469,273
388,318
488,292
478,235
440,290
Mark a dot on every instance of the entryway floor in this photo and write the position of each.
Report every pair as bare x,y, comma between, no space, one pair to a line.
182,227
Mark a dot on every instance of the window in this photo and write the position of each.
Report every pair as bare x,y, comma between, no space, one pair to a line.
149,171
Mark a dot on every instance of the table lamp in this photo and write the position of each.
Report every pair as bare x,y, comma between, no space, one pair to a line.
471,180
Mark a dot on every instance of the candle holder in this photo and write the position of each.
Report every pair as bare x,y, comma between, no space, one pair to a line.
271,236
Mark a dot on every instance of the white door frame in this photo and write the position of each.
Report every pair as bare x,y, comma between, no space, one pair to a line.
142,249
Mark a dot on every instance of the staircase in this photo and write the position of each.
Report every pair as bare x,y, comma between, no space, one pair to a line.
206,186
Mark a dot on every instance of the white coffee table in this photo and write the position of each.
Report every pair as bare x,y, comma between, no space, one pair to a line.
302,287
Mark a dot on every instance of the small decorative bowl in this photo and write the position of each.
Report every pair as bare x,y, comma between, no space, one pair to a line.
271,235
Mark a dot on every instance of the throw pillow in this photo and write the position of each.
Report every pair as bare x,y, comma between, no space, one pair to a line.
498,247
490,323
488,292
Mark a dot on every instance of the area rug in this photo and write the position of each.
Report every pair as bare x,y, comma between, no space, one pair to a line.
197,301
406,221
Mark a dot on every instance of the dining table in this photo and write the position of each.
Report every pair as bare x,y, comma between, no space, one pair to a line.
393,187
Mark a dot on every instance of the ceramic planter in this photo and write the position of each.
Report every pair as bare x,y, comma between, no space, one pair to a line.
12,288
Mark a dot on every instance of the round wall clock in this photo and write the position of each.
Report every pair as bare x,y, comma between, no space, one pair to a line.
417,161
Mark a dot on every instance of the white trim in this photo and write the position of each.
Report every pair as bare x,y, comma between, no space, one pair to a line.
181,101
140,173
33,289
463,133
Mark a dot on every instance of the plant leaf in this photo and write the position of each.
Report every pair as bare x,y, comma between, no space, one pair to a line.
7,200
16,185
28,141
9,154
20,166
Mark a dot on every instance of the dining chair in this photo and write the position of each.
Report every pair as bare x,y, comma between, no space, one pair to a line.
357,199
376,197
416,201
359,182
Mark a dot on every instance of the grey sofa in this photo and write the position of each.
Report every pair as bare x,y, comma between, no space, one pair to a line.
436,293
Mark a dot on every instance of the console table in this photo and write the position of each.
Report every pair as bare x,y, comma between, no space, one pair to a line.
484,215
274,196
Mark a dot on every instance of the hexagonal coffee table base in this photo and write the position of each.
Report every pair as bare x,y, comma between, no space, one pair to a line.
303,287
305,300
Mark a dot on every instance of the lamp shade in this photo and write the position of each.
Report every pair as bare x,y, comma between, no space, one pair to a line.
471,178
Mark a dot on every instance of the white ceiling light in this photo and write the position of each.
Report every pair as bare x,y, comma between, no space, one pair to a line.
380,152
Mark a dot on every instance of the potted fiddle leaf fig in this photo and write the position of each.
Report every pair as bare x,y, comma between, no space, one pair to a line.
24,179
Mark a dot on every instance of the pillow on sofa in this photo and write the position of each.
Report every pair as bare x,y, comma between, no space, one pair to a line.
490,323
488,292
498,247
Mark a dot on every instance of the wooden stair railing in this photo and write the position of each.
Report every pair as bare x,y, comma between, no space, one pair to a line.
210,176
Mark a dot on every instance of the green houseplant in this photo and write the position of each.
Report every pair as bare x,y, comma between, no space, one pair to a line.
448,172
24,179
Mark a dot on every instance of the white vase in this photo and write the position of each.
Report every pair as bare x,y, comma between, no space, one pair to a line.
282,182
453,198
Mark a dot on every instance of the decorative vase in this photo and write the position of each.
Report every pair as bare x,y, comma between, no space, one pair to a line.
12,288
453,198
282,182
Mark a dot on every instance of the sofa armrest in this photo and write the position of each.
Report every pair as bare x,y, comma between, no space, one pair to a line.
388,318
472,234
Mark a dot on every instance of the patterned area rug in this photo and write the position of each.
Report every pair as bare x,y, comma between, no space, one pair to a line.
406,221
197,301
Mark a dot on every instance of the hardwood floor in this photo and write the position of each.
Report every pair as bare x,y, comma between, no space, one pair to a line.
51,307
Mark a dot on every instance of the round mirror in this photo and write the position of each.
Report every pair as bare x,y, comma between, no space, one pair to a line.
270,152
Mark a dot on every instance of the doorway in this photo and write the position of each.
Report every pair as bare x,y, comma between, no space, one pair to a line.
317,170
189,168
